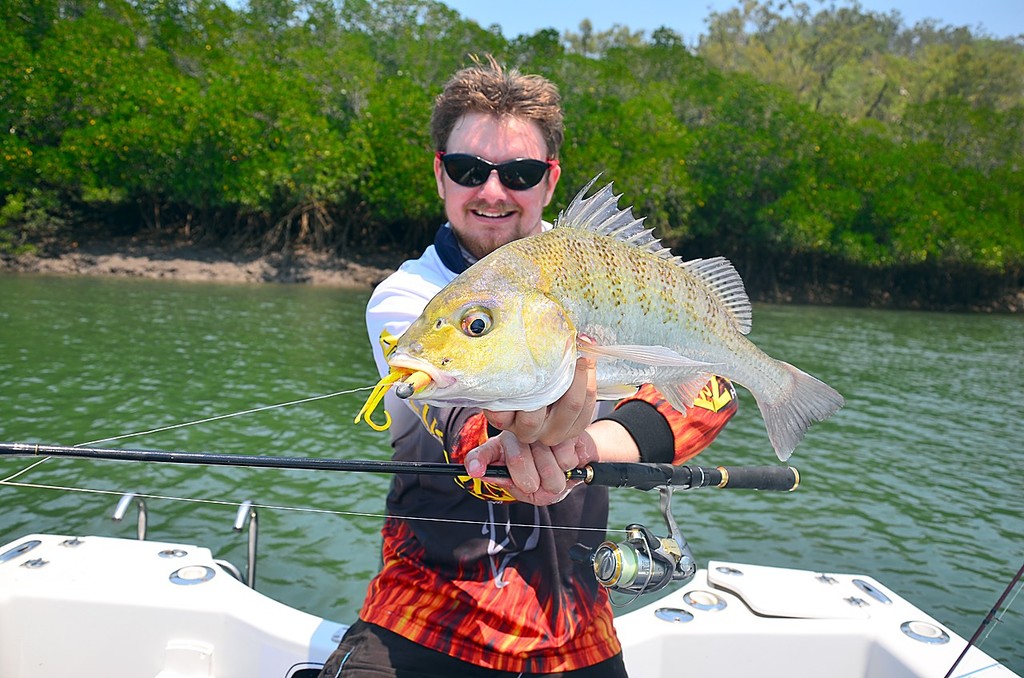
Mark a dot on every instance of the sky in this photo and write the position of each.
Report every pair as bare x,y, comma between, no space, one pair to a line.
998,18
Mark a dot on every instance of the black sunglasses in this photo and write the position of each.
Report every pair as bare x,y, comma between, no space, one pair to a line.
517,175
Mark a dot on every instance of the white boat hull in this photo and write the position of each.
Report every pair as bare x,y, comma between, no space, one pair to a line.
99,606
781,623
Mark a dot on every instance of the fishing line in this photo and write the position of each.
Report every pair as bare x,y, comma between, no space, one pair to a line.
218,417
9,481
225,416
28,468
298,509
999,617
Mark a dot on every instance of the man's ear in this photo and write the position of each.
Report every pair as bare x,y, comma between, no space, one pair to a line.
553,175
439,176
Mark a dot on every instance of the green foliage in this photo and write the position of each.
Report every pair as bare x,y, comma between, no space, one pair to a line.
591,43
27,218
399,185
787,135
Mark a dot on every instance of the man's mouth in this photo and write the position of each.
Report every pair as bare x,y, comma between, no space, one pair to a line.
491,214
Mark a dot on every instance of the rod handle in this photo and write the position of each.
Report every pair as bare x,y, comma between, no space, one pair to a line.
650,476
768,478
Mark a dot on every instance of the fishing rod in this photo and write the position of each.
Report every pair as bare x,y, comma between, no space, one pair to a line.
989,618
643,562
609,474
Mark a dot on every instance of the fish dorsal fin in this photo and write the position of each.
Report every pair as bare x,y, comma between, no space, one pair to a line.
600,214
725,284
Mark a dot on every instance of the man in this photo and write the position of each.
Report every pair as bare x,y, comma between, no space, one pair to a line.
476,578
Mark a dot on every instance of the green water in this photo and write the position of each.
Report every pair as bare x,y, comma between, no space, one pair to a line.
918,482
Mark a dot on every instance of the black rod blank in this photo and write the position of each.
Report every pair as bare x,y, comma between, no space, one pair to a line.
252,461
609,474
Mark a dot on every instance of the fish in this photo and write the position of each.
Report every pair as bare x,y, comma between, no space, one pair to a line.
506,333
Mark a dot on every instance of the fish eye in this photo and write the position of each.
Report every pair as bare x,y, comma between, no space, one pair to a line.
476,323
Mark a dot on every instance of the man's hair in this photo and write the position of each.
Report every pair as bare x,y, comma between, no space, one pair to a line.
500,92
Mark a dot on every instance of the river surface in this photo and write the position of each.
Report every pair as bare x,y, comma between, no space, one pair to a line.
918,482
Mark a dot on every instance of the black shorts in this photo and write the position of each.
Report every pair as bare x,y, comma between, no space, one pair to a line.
371,651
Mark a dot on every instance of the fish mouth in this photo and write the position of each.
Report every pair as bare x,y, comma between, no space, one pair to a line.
420,376
410,377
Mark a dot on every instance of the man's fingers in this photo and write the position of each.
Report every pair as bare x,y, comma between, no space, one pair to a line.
525,425
573,412
479,458
521,464
551,474
500,420
543,497
566,455
566,418
537,471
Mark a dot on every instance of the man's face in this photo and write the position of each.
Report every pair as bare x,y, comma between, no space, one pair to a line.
486,217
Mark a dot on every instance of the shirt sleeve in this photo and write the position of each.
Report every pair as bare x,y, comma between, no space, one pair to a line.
665,435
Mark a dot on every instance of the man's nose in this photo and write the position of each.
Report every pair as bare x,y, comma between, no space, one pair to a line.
493,188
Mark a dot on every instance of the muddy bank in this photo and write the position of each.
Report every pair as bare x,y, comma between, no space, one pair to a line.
191,263
363,271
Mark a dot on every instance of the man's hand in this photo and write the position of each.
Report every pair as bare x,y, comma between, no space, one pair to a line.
563,420
537,470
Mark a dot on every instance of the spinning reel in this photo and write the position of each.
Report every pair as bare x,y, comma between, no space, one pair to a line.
644,562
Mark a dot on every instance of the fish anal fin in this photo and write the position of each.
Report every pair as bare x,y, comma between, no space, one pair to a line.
616,391
682,395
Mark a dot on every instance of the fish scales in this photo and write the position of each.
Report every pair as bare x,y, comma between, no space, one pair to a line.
506,333
658,295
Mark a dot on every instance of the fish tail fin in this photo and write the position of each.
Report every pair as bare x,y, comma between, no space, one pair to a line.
787,417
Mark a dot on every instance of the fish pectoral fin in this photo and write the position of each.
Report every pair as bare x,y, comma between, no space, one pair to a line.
659,356
682,395
616,391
